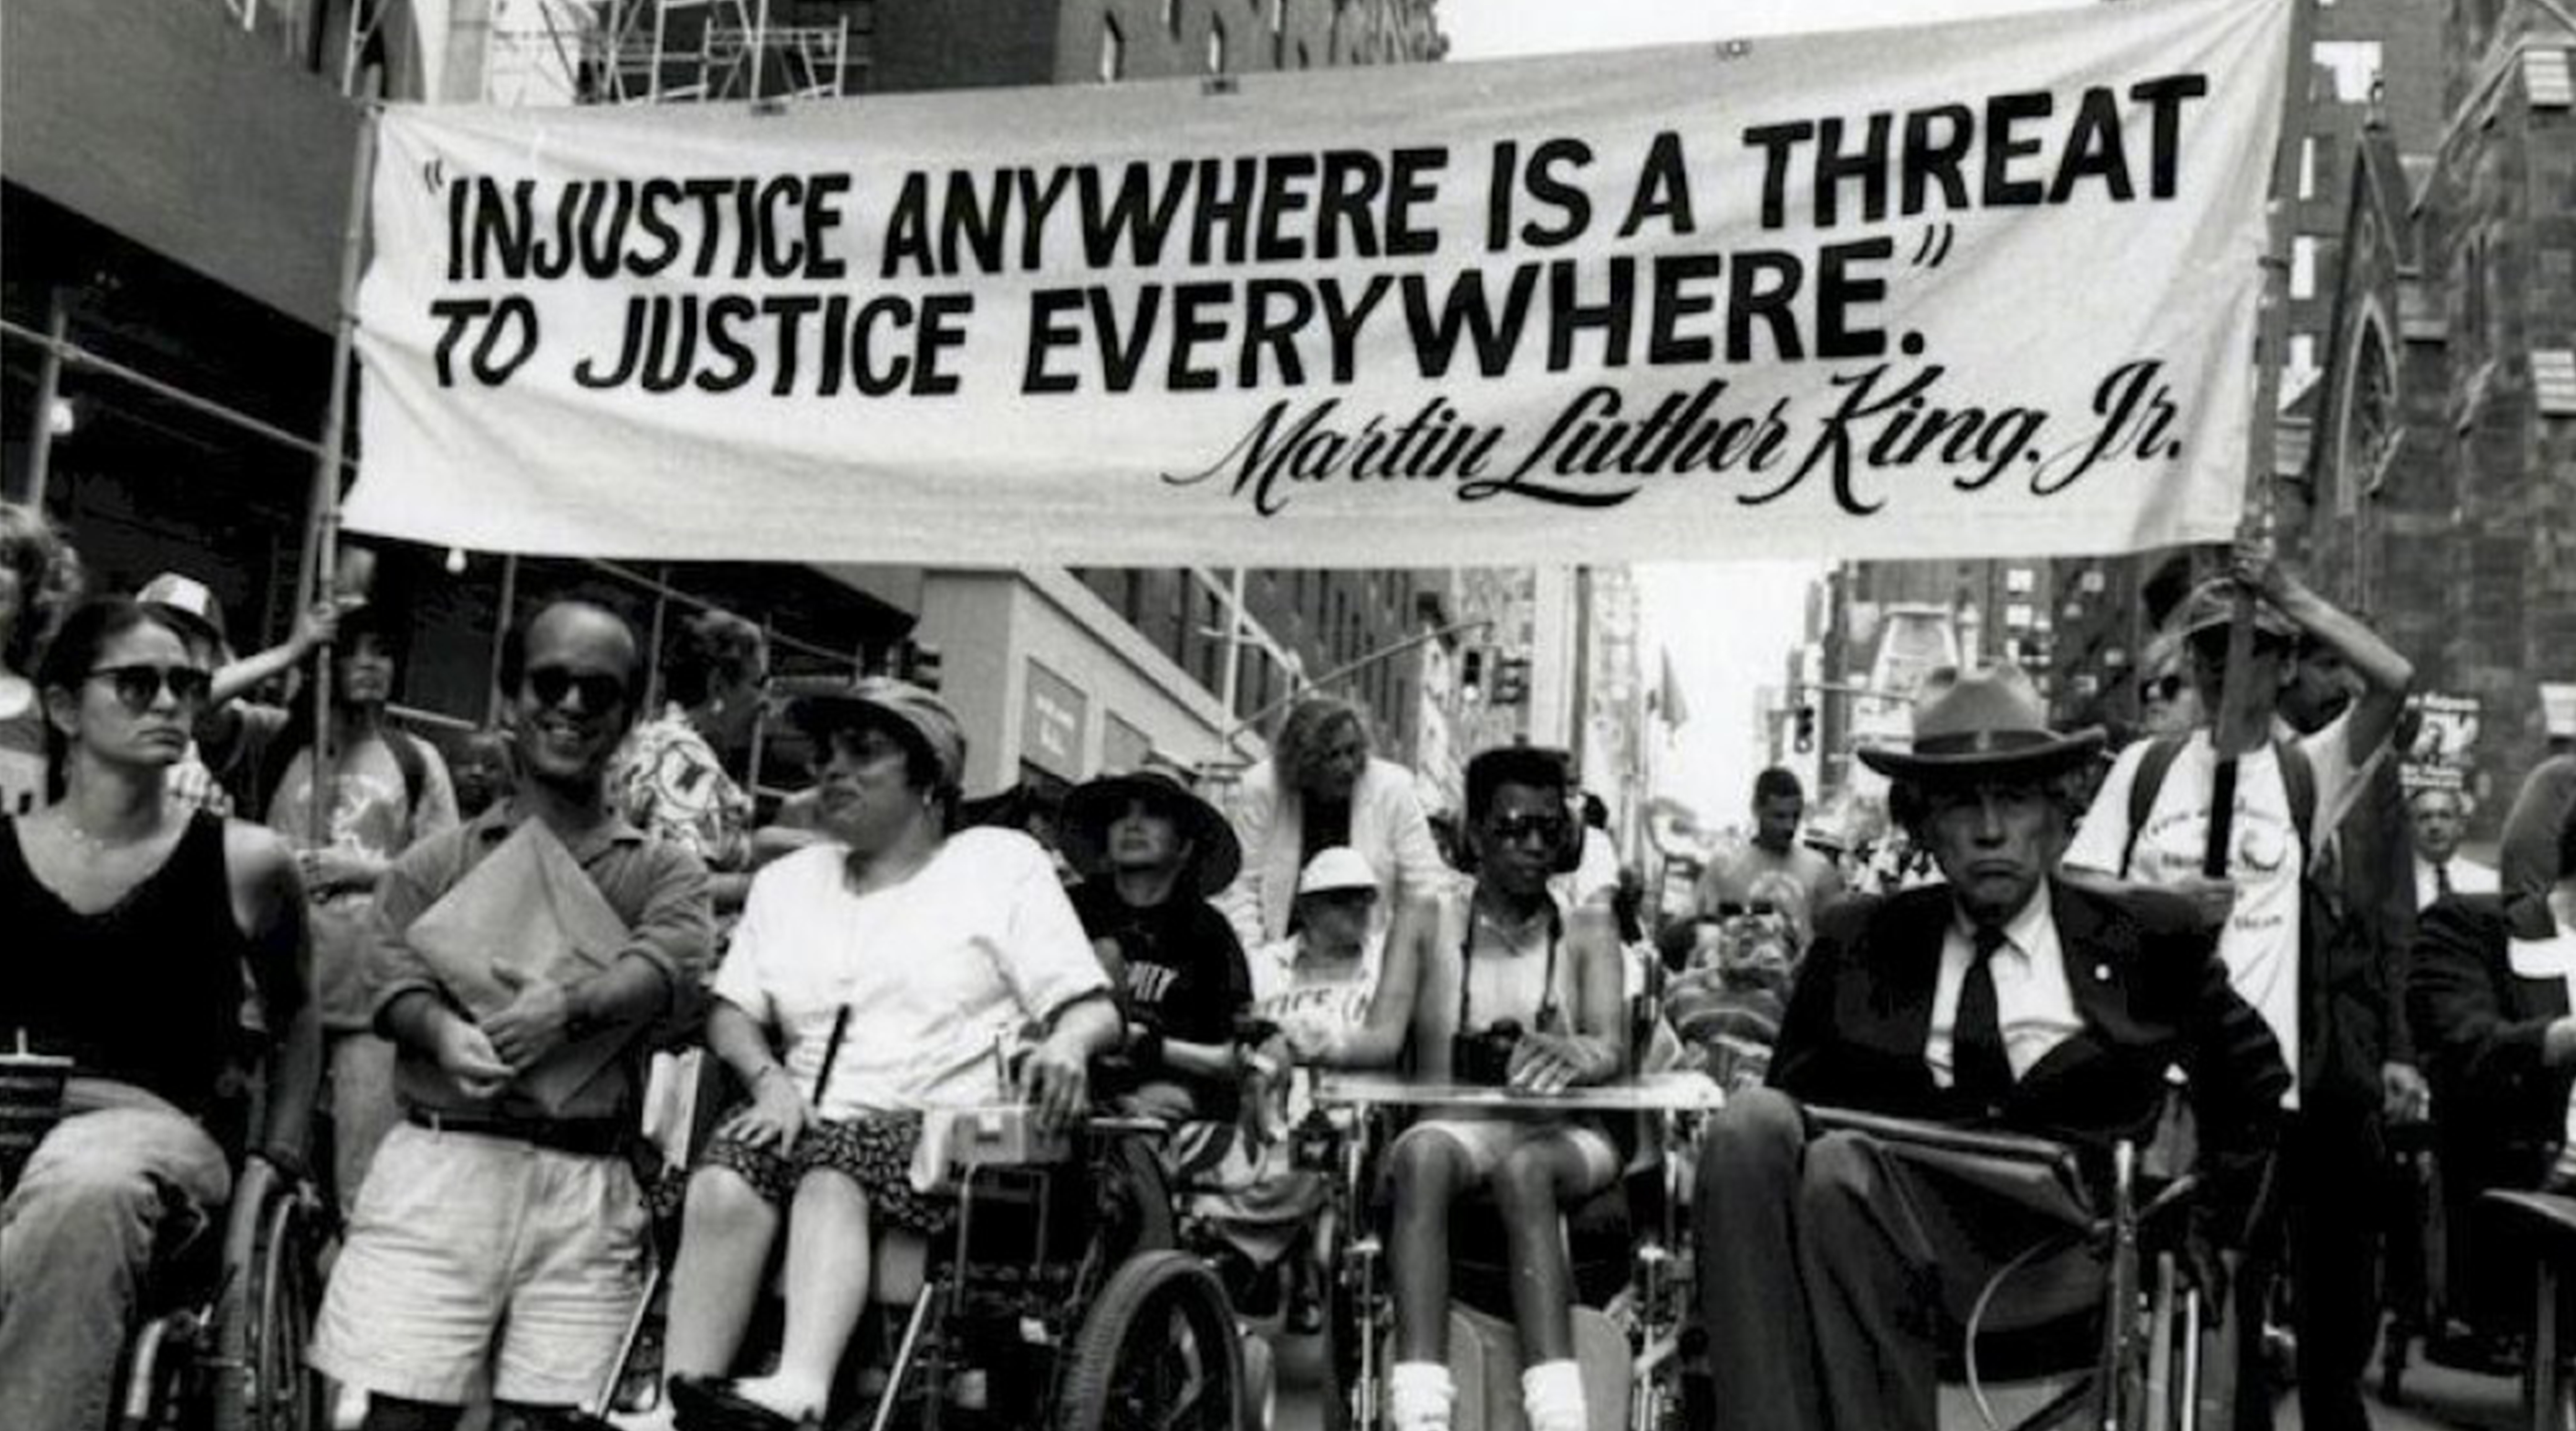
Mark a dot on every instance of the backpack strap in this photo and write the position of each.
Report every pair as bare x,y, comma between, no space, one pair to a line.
2299,782
414,765
2143,786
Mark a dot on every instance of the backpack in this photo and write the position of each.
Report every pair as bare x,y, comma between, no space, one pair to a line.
2298,780
409,761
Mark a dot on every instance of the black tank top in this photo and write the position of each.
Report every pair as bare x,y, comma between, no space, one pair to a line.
147,991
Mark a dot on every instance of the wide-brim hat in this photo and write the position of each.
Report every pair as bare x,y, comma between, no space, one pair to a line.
1988,724
1216,855
820,705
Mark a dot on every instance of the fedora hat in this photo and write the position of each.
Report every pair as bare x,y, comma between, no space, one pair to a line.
1988,724
1216,856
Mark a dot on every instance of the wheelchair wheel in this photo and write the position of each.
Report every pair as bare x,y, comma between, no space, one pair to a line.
1158,1350
264,1317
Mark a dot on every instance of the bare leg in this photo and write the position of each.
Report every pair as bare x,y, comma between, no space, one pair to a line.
1430,1171
725,1236
1532,1187
827,1289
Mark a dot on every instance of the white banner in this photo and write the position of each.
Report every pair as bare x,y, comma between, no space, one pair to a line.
1985,288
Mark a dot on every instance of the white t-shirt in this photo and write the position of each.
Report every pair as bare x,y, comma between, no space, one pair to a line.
933,970
2261,941
1331,1003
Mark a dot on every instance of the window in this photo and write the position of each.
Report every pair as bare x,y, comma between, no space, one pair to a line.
1216,46
1172,17
1279,34
2308,160
1113,51
1305,59
2303,266
2020,580
2356,66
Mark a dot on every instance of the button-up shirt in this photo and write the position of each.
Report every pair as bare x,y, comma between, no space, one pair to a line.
2033,1002
658,888
2467,877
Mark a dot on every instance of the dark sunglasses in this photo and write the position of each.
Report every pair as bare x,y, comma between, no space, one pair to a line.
550,684
138,685
2166,687
1512,829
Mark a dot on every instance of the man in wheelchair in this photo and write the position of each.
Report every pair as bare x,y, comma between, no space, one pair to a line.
130,924
888,964
1831,1263
1497,984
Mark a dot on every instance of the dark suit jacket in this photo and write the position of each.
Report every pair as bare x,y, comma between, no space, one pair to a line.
2479,1027
2146,981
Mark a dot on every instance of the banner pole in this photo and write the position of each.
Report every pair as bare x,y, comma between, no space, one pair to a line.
321,550
2230,733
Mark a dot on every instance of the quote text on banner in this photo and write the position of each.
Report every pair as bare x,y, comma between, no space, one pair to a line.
1983,288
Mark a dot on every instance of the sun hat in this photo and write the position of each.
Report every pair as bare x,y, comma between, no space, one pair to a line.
1336,868
1091,807
820,705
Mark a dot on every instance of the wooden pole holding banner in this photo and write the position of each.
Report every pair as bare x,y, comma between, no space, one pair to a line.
2231,733
321,548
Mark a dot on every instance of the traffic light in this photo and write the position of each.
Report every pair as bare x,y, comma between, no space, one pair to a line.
1471,673
1803,729
918,662
1511,680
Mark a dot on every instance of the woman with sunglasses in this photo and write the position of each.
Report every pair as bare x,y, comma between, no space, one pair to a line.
130,924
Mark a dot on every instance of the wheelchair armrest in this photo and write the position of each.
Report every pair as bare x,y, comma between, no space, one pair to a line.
2012,1147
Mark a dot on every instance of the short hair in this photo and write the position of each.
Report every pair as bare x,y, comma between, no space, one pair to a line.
708,646
1777,781
514,646
1537,766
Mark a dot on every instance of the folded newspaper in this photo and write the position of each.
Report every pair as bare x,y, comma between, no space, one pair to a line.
527,908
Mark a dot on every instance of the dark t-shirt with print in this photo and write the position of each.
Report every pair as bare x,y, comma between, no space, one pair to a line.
1186,977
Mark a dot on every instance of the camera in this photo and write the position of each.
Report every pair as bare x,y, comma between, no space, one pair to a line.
1485,1057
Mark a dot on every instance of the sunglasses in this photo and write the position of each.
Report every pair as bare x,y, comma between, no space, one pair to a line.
1511,829
2167,687
138,685
550,684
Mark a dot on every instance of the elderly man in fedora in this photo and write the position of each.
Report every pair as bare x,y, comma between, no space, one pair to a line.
1153,854
2001,999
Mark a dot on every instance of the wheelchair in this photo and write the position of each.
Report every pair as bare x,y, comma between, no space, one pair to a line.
223,1320
1059,1299
1630,1265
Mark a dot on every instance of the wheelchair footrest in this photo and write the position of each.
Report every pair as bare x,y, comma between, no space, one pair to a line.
1485,1362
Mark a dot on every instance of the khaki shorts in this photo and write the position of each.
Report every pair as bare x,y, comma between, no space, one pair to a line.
466,1250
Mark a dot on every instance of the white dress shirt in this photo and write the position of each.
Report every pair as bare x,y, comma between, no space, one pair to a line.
2467,877
2032,1000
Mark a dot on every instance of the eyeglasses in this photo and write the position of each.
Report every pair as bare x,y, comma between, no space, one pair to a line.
140,684
550,684
1511,829
2167,687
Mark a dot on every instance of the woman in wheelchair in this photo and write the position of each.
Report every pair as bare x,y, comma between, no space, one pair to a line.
1495,984
887,965
130,924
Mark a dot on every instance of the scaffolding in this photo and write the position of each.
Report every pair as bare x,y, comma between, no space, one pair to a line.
553,52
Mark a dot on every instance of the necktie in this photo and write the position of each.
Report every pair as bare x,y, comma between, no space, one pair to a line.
1978,1069
2442,880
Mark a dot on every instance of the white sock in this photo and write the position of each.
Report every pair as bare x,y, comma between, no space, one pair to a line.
1419,1395
1552,1396
790,1396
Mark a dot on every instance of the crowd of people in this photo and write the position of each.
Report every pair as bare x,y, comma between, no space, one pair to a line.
469,975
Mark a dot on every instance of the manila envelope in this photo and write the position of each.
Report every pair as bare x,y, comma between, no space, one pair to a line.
529,908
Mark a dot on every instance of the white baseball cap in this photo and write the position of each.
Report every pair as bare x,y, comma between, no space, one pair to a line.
1340,867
